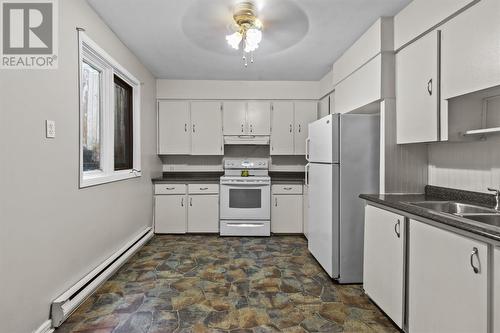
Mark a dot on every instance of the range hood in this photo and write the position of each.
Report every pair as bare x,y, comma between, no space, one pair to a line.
255,140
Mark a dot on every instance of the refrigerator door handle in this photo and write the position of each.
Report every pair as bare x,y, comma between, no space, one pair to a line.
308,140
307,174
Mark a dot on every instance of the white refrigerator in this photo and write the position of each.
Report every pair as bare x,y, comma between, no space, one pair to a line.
343,162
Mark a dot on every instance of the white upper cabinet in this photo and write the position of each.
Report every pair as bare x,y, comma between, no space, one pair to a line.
206,127
235,117
259,118
174,132
423,15
305,113
282,133
417,91
383,271
470,50
448,281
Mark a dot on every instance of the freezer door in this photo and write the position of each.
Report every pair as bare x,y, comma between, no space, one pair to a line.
324,216
320,146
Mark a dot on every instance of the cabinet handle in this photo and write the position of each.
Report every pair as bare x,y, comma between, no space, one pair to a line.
251,128
170,188
191,202
287,188
194,128
242,127
397,228
275,202
475,252
185,127
300,128
203,188
182,202
290,128
429,87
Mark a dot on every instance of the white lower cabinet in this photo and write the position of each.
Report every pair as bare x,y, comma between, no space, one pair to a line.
496,291
448,281
384,261
286,209
170,214
181,208
203,213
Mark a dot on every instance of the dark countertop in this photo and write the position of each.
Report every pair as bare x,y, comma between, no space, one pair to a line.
188,177
401,202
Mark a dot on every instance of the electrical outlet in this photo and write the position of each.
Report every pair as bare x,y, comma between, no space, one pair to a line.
50,128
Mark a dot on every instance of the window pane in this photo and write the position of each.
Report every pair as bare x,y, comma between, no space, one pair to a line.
91,120
123,125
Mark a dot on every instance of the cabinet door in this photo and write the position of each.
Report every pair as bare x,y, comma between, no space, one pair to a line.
471,51
234,115
282,128
259,118
170,214
383,271
417,91
286,214
496,291
305,112
203,213
174,133
206,127
445,294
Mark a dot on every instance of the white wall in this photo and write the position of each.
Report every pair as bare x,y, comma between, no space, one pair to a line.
326,85
51,232
207,89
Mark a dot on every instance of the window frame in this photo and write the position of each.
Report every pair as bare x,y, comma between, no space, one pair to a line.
95,56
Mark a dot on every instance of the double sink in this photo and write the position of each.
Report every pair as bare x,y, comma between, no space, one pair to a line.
480,214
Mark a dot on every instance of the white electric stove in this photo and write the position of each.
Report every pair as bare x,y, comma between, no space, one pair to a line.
245,200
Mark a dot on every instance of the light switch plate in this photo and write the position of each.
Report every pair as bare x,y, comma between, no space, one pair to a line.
50,129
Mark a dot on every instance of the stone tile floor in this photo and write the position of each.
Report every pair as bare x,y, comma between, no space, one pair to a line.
197,283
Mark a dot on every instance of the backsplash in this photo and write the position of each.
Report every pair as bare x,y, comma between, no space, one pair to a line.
472,166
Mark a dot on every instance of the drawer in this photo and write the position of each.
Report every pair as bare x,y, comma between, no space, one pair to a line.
203,188
287,189
245,228
170,188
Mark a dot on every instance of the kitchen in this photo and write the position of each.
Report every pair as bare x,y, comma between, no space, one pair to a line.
342,177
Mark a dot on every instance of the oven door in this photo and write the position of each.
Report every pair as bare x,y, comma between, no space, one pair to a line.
245,201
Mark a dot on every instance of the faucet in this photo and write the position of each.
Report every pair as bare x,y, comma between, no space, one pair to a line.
497,197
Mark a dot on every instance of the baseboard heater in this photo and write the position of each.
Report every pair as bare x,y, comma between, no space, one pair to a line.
64,305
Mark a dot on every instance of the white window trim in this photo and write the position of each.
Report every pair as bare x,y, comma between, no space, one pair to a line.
95,55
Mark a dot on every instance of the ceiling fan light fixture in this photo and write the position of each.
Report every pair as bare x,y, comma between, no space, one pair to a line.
249,30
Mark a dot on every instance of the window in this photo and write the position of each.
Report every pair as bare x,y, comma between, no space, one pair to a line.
109,118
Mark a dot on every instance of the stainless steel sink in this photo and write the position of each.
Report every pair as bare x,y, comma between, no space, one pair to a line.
455,208
490,219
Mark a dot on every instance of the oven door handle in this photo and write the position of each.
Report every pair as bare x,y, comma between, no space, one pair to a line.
245,185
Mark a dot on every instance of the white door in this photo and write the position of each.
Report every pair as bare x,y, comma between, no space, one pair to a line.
282,128
174,132
203,214
470,50
170,214
445,294
496,290
383,273
319,144
321,214
259,118
306,112
206,127
234,117
286,214
417,91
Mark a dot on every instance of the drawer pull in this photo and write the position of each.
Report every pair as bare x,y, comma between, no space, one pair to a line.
203,188
170,188
475,252
287,188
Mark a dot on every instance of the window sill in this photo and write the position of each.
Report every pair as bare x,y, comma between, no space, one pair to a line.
94,180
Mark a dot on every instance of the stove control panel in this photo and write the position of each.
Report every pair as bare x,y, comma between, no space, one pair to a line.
246,164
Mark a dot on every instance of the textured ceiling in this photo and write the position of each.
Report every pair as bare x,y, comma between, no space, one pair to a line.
185,39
